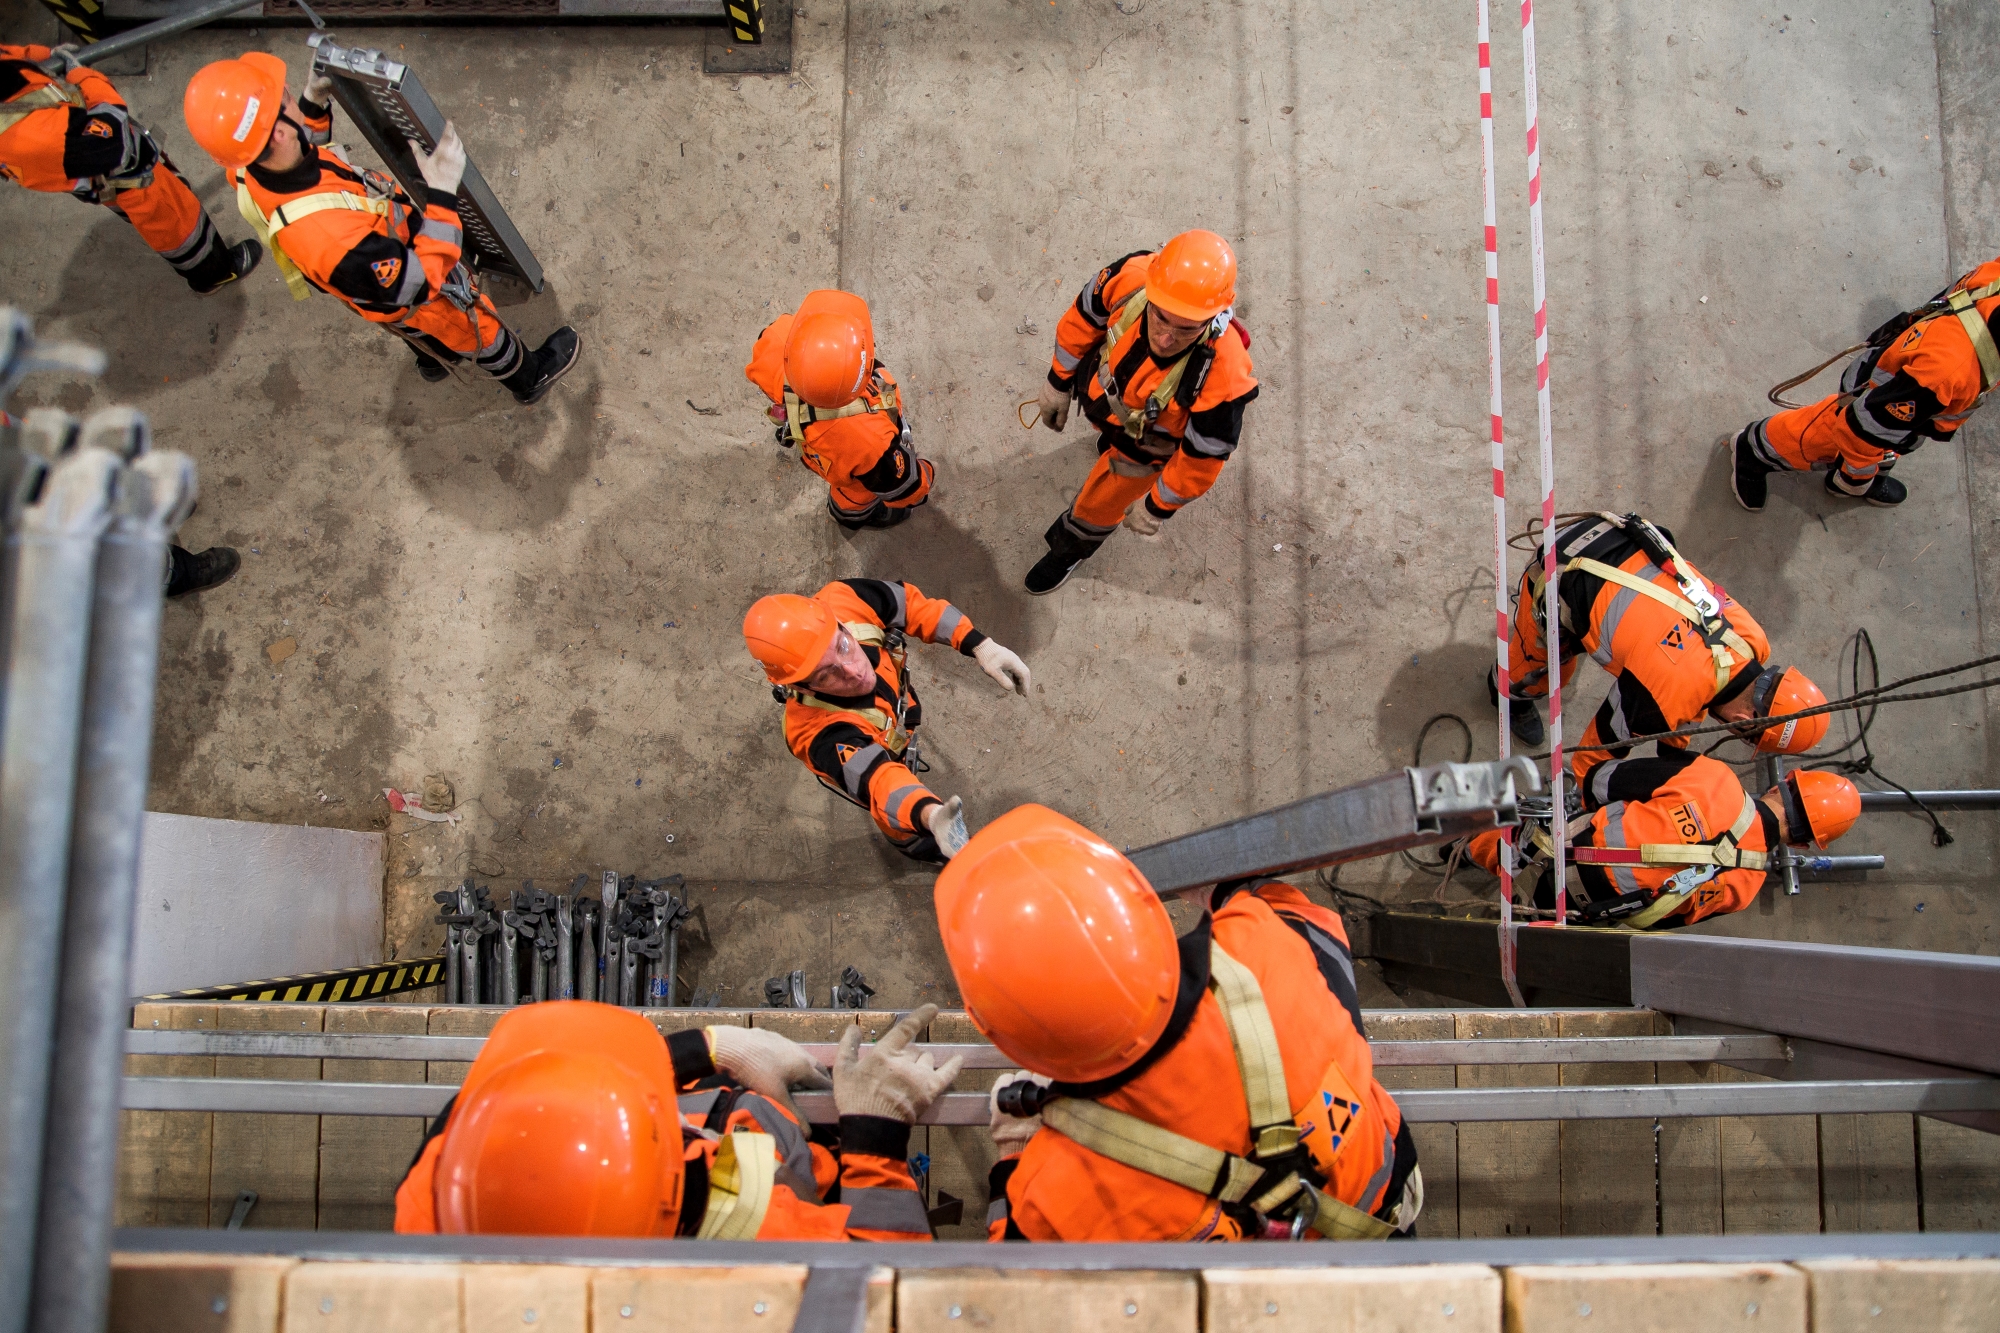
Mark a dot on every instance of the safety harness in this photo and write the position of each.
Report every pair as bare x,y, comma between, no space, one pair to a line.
1278,1179
880,397
63,93
1703,862
294,210
1697,604
1138,420
895,736
739,1186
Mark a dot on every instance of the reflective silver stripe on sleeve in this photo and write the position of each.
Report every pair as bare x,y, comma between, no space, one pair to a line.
997,1211
1329,947
1600,781
948,624
901,619
1614,836
855,770
1064,359
1621,726
415,280
795,1170
1608,628
442,231
886,1210
1170,495
1208,448
895,798
1380,1180
698,1104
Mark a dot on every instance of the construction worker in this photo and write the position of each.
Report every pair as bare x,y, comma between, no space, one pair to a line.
839,407
1154,353
354,233
579,1119
1918,377
1214,1087
74,135
836,661
1674,839
1676,645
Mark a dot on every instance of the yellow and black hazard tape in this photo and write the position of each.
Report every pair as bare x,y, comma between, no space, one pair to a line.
746,20
83,18
342,987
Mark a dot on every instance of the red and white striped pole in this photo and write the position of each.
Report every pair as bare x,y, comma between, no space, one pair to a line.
1551,631
1500,574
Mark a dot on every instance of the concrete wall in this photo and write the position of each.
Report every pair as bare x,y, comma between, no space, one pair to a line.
222,900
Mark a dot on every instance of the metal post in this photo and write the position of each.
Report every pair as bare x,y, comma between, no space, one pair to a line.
38,753
609,965
586,943
564,987
99,52
1936,800
510,953
80,1158
1782,868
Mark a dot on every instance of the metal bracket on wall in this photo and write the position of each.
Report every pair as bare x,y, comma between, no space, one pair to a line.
388,104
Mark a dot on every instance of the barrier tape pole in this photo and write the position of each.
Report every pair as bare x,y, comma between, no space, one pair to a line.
1558,830
1500,574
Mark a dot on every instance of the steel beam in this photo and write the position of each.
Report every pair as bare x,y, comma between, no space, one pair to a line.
176,22
1936,1007
1412,807
1460,957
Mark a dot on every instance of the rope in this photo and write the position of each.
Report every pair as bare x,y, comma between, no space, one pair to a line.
1777,394
1027,423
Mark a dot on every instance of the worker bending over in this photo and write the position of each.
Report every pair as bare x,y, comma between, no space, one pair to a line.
1920,376
74,135
836,661
1214,1087
840,408
1677,646
1675,839
580,1119
1153,352
353,232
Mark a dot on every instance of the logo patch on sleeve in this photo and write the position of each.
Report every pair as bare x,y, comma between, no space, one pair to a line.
98,129
844,753
387,271
1674,639
1901,411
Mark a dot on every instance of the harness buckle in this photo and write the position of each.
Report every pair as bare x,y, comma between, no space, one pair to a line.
1276,1140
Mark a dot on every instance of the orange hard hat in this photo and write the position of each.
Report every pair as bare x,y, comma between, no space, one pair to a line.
1825,804
232,105
1063,952
1193,276
1782,690
831,350
567,1126
788,634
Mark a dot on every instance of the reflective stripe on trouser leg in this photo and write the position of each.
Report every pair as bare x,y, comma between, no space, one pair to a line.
195,251
501,357
851,518
1803,438
1114,483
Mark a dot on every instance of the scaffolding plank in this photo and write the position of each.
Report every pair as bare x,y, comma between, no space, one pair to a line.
362,1158
1852,1295
1609,1179
275,1155
1960,1177
1770,1170
1509,1175
1437,1144
544,1298
1435,1296
961,1155
163,1156
372,1298
952,1300
1690,1156
672,1300
1656,1298
168,1293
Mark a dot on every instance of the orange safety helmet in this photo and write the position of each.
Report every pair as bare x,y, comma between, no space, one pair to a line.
831,350
788,634
232,106
1819,806
1063,952
1193,276
567,1126
1782,690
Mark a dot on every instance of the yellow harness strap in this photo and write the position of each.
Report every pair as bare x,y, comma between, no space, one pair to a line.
1731,640
894,739
739,1186
799,414
1135,419
267,228
1964,304
1160,1152
59,93
1725,855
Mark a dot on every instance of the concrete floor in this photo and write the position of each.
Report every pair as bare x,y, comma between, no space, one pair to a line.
543,605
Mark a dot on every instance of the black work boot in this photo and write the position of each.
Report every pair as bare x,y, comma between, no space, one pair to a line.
1748,477
1522,719
432,369
1066,552
1882,492
886,517
224,266
192,573
549,363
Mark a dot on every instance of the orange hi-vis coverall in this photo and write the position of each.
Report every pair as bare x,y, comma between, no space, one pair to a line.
1664,841
861,748
1165,430
1665,673
863,450
1920,384
354,233
862,1192
1351,1142
74,136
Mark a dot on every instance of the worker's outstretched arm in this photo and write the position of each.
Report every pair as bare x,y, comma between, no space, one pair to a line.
845,756
1212,435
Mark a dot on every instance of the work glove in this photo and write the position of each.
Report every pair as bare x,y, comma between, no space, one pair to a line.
1011,1133
1003,664
886,1080
1142,520
764,1061
1052,405
946,821
444,166
318,89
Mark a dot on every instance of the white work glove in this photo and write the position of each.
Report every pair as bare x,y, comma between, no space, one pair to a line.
318,89
886,1080
946,821
1142,520
1052,406
1011,1133
1003,664
764,1061
443,167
